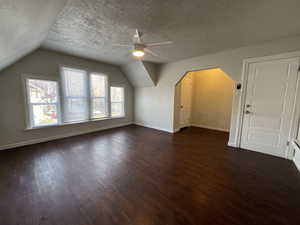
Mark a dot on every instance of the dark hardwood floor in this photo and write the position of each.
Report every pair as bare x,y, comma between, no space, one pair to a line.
139,176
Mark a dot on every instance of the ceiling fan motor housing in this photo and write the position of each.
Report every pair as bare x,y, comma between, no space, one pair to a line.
139,47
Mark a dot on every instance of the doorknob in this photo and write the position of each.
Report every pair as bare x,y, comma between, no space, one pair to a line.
181,106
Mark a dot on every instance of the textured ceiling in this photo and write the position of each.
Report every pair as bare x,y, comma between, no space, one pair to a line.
89,28
24,25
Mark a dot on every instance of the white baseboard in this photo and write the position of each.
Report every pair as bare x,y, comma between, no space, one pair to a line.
297,163
296,158
232,144
209,127
40,140
176,130
154,127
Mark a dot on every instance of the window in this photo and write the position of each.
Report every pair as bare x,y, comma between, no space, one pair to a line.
85,96
117,101
98,93
43,102
75,95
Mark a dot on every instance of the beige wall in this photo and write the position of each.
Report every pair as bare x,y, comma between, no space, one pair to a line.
155,106
46,63
212,99
184,97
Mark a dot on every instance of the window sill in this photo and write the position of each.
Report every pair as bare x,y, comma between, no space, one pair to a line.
73,123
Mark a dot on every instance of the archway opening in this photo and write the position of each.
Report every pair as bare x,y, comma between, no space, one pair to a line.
203,98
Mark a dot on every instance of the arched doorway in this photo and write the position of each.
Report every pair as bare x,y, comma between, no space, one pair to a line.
203,98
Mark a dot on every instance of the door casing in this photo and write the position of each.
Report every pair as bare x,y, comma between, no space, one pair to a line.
186,98
296,108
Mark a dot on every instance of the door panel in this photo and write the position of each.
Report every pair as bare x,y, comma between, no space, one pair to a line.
186,100
268,111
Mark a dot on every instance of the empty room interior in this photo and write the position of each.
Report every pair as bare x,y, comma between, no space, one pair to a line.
153,112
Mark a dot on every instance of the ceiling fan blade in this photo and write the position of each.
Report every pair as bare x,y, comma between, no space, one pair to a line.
147,50
122,45
151,52
138,35
160,43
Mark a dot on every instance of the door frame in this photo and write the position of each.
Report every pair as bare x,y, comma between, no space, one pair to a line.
296,107
180,111
176,123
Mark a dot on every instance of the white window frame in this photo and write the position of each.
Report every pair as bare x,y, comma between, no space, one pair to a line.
29,123
106,98
64,97
29,106
124,100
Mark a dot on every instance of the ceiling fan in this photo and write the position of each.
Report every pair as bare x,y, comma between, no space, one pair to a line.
140,48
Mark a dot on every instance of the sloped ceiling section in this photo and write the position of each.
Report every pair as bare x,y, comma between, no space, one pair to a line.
24,25
141,74
152,70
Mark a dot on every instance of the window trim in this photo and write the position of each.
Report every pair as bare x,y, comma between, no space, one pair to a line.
107,98
109,84
63,95
29,123
60,103
69,124
121,85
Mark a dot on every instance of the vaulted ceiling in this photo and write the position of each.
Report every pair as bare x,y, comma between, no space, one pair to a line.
24,25
90,28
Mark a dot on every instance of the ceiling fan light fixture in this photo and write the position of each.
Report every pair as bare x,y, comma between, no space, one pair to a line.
138,53
140,48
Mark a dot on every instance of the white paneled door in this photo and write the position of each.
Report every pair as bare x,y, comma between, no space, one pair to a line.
186,100
269,105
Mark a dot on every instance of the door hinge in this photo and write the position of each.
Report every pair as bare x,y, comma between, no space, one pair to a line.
287,143
299,69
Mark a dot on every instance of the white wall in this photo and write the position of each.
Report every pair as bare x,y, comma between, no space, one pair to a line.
138,74
154,106
212,99
46,63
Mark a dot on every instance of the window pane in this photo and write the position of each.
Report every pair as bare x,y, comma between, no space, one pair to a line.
76,109
117,94
74,83
44,115
98,93
99,108
98,85
42,91
117,101
117,109
75,95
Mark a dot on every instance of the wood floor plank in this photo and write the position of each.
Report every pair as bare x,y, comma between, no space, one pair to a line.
140,176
